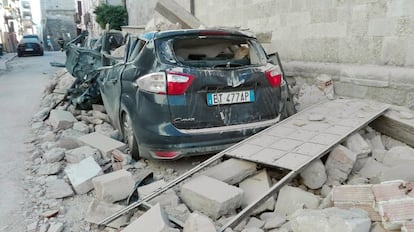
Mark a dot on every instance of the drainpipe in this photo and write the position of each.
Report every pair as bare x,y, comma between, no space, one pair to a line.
192,7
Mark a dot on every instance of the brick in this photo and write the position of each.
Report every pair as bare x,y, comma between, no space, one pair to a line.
339,164
210,196
231,171
76,155
291,199
99,210
113,186
81,174
395,212
389,191
199,222
153,220
253,188
146,190
61,119
101,142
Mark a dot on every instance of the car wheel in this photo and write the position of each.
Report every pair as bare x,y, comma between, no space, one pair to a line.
19,54
41,53
129,136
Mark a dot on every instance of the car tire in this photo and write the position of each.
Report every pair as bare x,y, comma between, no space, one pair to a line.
129,136
41,53
19,54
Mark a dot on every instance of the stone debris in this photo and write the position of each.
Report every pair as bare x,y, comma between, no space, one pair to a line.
314,176
61,119
154,220
398,155
81,174
372,168
360,147
113,186
76,155
231,171
254,223
291,199
199,222
49,169
82,127
339,164
103,143
56,227
107,130
68,139
210,196
54,155
331,219
253,188
146,190
272,220
58,188
98,210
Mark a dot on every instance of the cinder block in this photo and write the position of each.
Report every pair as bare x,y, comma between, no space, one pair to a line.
101,142
76,155
291,199
61,119
253,188
99,210
113,186
210,196
153,220
231,171
80,175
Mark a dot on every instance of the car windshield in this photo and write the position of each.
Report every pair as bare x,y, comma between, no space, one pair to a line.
30,40
213,51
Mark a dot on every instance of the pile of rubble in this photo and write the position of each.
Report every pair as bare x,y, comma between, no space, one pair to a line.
78,174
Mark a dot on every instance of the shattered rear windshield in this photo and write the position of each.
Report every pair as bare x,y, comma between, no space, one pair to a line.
211,51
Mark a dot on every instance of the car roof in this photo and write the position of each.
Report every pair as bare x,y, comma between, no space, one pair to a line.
189,32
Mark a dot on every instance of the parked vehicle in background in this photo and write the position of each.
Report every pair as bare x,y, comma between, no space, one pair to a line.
30,45
191,92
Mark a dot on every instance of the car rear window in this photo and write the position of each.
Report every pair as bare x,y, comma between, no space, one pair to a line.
211,51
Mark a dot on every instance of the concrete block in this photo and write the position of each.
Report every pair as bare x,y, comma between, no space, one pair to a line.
58,188
153,220
172,11
180,212
99,210
231,171
101,142
199,222
81,174
61,119
331,219
146,190
291,199
69,139
113,186
168,199
339,164
54,155
314,175
253,188
76,155
210,196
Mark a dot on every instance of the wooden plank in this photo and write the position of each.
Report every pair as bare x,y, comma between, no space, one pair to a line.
393,124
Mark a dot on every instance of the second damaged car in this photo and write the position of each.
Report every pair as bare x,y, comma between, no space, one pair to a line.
191,92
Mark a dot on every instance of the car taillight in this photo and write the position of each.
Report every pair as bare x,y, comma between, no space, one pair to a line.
178,83
274,77
171,83
153,82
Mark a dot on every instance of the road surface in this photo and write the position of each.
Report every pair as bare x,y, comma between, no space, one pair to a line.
20,91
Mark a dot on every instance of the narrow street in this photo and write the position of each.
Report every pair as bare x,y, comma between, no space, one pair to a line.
20,89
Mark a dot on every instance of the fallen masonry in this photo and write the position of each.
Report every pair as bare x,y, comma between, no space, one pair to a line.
343,183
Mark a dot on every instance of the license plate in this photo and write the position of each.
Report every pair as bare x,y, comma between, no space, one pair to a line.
29,49
224,98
